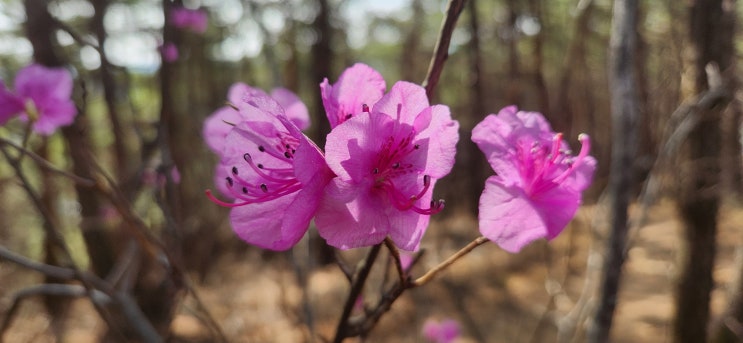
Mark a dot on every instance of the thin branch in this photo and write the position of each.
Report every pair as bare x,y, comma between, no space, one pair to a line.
449,261
342,329
47,289
396,257
46,165
441,51
46,269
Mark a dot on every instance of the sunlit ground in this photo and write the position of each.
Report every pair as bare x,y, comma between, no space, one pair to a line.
495,296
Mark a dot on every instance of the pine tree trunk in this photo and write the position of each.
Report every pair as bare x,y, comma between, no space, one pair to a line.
699,196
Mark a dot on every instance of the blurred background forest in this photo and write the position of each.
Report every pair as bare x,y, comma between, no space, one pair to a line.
154,239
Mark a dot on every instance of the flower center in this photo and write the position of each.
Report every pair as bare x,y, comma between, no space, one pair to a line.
391,164
269,176
544,167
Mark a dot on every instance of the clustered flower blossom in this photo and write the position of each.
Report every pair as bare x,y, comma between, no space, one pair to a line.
375,177
194,20
41,95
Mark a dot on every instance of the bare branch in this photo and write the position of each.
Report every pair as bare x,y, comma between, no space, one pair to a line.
441,51
46,165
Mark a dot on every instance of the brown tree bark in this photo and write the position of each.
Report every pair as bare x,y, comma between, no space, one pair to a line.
474,159
322,67
698,200
624,115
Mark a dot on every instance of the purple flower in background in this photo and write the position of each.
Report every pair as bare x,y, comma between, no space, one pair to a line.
387,162
441,332
186,18
358,86
538,183
169,52
42,95
275,174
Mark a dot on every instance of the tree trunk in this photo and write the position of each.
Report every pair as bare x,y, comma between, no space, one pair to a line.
477,168
624,114
562,115
409,67
123,153
322,65
699,187
536,7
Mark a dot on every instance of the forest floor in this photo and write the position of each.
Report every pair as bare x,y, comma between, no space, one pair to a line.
533,296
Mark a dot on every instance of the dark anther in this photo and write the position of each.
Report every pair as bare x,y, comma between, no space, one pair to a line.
365,108
247,157
375,171
234,170
229,181
260,166
245,190
264,188
288,146
396,165
426,180
294,151
261,148
287,155
348,116
417,146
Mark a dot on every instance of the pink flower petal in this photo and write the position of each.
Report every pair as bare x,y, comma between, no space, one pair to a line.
407,98
295,109
357,86
10,104
350,217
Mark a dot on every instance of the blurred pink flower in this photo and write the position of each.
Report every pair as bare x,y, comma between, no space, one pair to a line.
191,19
387,162
42,95
275,174
169,52
537,185
441,332
358,86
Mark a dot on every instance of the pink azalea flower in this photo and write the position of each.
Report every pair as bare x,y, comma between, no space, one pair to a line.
538,183
358,86
219,123
276,175
445,331
387,163
186,18
41,94
169,52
